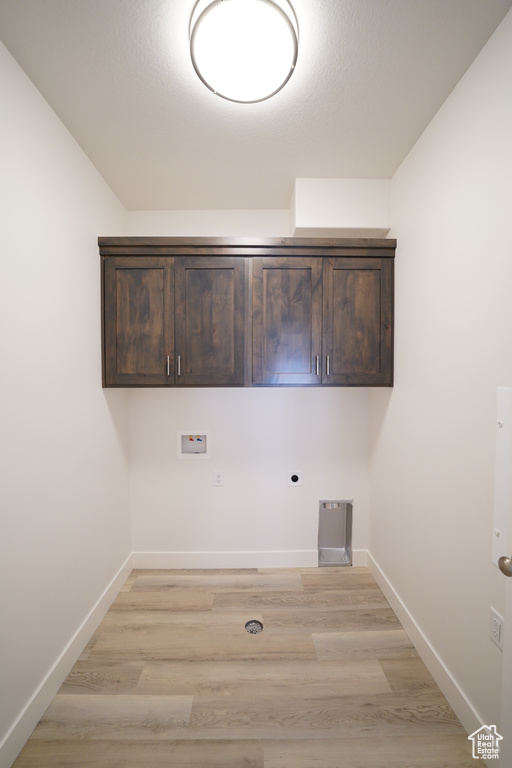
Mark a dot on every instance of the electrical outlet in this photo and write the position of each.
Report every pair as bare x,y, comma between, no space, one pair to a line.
496,628
218,478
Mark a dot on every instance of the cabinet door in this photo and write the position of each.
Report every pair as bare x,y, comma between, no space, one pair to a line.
210,332
287,320
358,322
138,322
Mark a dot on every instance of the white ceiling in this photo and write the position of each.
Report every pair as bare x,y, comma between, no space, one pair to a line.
370,76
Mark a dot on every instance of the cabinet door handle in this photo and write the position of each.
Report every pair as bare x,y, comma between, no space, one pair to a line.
179,365
317,366
168,366
327,365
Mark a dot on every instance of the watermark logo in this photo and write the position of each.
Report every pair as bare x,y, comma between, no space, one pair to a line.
486,743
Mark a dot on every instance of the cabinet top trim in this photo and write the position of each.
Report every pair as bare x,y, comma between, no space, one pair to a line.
245,246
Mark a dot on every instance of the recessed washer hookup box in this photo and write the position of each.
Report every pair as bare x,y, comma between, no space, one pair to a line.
193,444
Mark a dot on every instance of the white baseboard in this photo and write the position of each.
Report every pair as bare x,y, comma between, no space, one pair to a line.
193,560
197,560
454,694
359,558
16,737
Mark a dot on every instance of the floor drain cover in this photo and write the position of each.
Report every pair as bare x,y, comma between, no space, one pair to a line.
254,626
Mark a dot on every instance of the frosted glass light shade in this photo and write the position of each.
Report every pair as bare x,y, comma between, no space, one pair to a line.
244,50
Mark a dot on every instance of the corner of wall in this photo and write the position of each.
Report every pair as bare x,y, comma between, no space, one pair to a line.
451,689
20,731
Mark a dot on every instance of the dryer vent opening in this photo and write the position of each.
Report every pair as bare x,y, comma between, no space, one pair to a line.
335,532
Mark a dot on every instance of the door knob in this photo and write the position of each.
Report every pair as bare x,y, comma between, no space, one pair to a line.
505,564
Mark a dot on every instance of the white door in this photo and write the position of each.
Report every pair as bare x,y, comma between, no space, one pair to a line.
501,544
506,691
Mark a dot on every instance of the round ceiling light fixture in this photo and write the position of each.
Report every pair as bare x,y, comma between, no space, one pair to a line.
244,50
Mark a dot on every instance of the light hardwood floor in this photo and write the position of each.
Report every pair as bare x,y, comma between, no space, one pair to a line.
172,678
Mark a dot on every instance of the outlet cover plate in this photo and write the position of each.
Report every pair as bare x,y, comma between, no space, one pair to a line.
496,628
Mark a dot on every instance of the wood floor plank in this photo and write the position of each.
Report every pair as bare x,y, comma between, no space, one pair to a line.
142,754
334,570
338,578
261,679
102,677
197,571
443,751
408,675
126,717
190,644
381,644
266,718
168,600
137,621
216,582
337,600
329,621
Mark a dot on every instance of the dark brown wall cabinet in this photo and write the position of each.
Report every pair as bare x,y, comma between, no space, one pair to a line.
358,322
287,320
209,321
138,320
216,312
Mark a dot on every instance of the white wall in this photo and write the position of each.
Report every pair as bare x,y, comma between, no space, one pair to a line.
434,434
64,528
220,223
257,436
